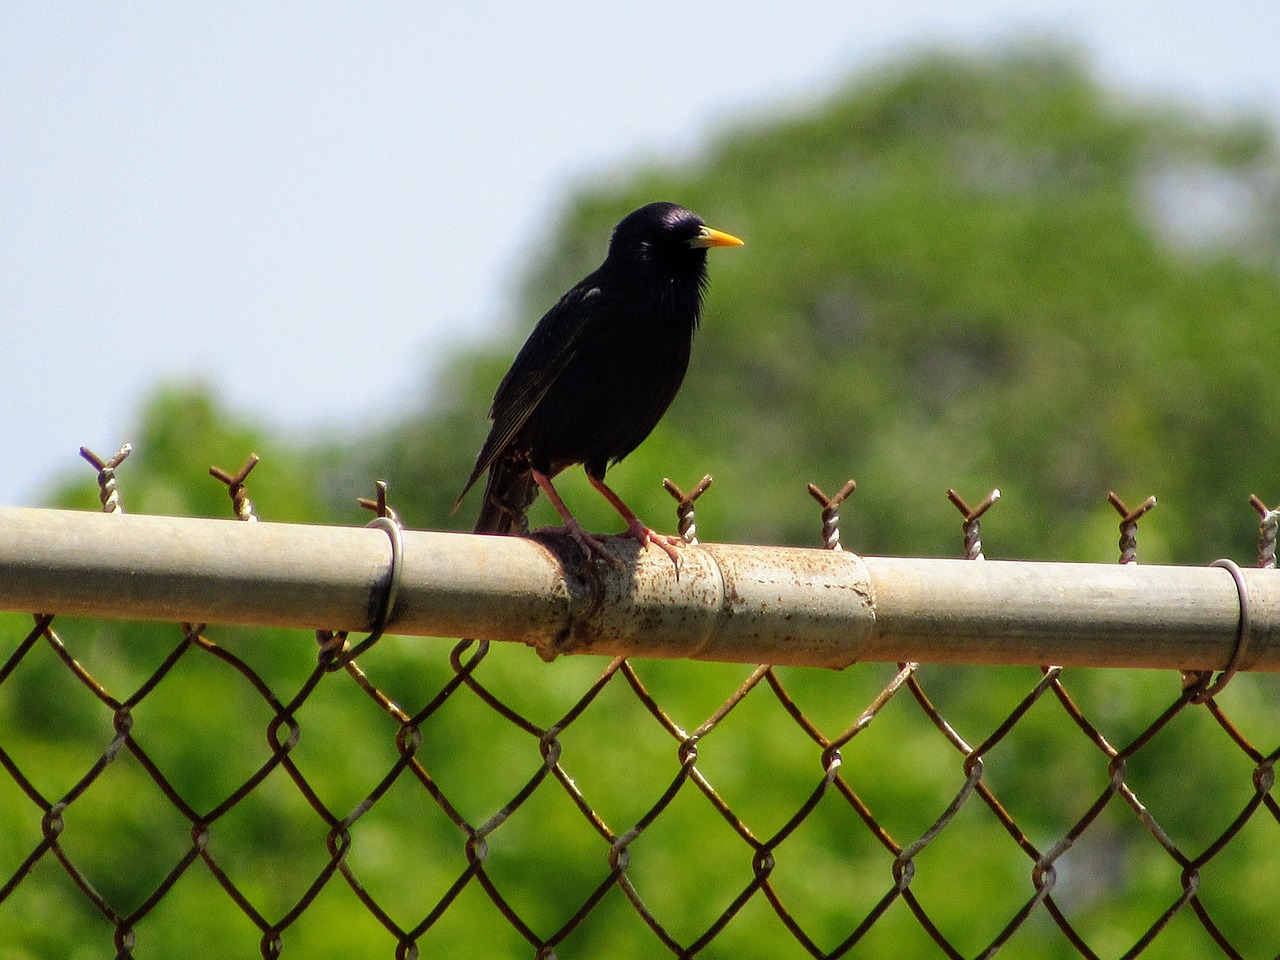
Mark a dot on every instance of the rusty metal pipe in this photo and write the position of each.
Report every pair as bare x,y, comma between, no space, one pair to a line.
780,605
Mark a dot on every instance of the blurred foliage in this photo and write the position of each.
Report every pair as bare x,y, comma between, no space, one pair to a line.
959,273
956,275
184,430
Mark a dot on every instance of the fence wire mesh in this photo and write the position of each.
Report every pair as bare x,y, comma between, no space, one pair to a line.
180,790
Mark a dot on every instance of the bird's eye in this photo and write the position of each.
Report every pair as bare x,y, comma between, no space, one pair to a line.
699,238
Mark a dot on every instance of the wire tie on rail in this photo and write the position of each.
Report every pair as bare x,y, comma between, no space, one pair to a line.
332,654
394,574
1243,633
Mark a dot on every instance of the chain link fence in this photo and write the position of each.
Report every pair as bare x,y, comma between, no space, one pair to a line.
189,790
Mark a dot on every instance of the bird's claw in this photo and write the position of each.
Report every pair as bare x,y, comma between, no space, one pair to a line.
592,544
663,541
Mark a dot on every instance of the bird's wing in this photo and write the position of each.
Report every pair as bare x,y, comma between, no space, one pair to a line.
552,345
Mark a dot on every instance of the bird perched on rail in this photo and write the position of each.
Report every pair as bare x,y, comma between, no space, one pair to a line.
597,373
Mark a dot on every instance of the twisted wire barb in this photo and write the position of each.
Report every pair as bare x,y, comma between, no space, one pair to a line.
241,505
108,494
688,527
972,525
831,512
1129,525
1267,525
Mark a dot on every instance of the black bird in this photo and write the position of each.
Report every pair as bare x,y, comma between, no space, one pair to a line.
598,372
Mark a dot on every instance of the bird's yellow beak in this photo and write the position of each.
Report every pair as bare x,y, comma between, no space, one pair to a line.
708,237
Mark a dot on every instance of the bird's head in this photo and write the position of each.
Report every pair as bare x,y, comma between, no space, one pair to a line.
666,234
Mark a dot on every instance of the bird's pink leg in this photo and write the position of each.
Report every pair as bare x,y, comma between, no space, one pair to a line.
591,544
635,527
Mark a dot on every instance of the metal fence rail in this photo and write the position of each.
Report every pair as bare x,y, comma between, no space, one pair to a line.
725,603
420,798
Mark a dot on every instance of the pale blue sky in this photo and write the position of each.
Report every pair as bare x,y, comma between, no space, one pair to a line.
305,204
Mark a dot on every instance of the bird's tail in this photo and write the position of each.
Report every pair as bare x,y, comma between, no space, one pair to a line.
508,493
